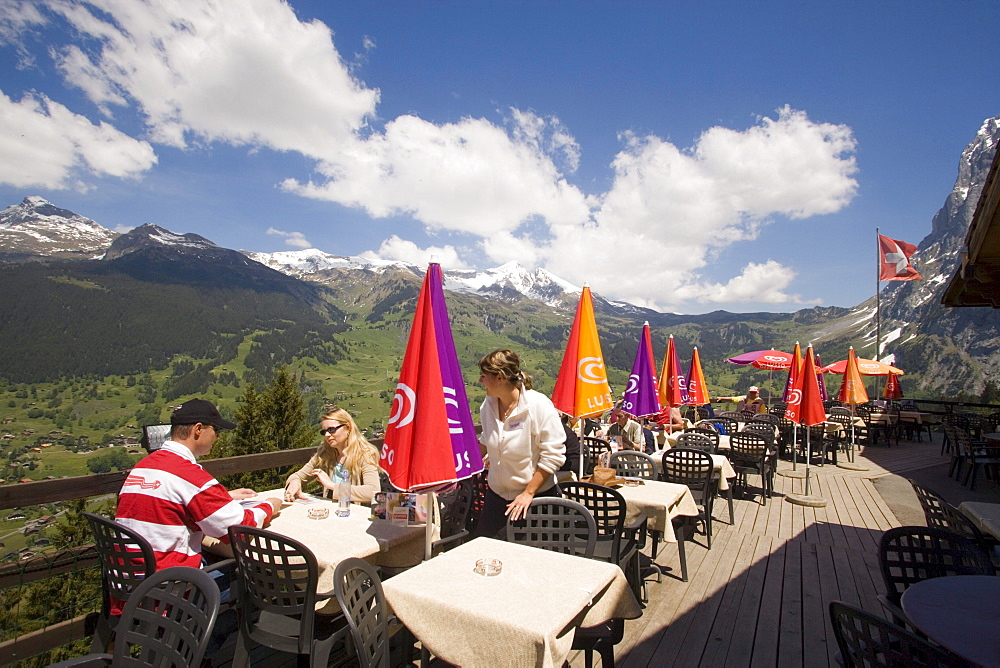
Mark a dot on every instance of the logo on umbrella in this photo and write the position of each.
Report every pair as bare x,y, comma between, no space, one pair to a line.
591,370
795,397
404,400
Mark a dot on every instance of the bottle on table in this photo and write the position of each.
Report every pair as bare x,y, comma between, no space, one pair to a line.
344,493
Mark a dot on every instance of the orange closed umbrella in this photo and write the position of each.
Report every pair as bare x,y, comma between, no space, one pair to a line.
582,385
852,389
697,394
672,385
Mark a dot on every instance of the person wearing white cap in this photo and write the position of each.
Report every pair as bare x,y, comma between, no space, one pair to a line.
751,401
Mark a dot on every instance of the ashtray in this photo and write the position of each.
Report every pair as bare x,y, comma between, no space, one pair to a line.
318,513
488,567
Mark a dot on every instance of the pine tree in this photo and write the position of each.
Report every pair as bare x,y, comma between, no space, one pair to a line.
267,421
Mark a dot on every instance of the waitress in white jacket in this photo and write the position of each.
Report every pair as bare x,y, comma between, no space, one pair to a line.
523,439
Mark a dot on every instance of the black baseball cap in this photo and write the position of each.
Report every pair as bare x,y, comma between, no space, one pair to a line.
199,410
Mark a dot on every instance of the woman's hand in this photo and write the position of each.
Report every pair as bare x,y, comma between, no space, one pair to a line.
293,490
324,479
518,508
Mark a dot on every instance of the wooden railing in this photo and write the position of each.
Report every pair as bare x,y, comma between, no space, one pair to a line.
66,489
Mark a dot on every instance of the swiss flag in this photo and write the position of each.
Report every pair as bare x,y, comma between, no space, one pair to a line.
894,260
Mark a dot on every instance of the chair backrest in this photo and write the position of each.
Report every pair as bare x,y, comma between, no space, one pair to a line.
456,505
766,418
696,441
942,515
606,506
168,620
126,558
633,464
840,410
694,468
278,576
358,589
591,449
778,409
733,415
747,446
869,640
708,431
747,414
556,524
765,431
912,554
480,485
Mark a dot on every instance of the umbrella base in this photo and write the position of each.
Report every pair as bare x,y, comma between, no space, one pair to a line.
809,500
852,466
789,473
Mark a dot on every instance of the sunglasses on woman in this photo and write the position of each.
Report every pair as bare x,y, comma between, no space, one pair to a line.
330,431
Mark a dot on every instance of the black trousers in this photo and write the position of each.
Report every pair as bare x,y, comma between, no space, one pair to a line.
493,520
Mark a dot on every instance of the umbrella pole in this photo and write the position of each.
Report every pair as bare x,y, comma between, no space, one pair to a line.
429,525
582,453
808,454
795,445
853,442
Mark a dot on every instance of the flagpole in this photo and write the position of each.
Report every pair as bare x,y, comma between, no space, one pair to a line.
878,306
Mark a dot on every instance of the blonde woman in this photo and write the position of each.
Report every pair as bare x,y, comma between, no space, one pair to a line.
343,444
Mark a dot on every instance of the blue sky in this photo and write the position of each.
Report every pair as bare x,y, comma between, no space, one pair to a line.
679,156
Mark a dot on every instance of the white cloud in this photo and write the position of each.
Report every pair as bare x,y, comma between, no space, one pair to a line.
46,145
296,239
470,176
246,72
401,250
758,283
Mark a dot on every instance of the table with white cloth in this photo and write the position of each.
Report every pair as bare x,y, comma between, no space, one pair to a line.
524,616
671,442
723,470
984,515
333,539
660,502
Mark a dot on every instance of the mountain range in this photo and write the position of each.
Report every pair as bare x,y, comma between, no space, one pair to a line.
70,282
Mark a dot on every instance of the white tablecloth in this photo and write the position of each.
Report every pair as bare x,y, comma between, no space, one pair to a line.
525,616
986,516
723,468
660,502
334,539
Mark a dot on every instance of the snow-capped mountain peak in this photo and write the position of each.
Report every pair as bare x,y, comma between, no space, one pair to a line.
38,227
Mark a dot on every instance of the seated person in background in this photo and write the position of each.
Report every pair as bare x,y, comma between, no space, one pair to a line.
628,431
670,420
751,402
572,462
343,446
648,427
171,501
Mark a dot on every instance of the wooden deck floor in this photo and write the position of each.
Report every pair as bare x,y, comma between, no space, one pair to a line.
759,597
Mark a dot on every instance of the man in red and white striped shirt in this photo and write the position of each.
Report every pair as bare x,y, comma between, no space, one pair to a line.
172,502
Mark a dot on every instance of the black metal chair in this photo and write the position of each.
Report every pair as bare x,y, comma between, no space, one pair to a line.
842,439
976,454
616,542
479,486
697,440
358,589
167,622
126,559
633,464
942,515
591,449
866,640
749,453
277,603
695,469
455,507
557,524
722,425
912,554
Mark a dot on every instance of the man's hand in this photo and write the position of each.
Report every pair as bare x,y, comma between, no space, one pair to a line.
242,494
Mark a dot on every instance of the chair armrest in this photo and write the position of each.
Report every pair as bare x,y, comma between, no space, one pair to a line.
897,612
218,565
444,544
